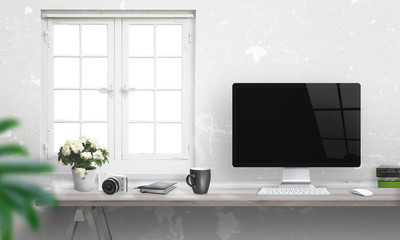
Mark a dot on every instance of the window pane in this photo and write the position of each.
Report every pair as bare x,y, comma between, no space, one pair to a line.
169,138
94,105
330,124
64,132
352,123
169,73
66,40
328,98
141,40
96,131
169,40
350,95
66,72
94,39
169,106
141,72
66,105
94,72
141,138
141,106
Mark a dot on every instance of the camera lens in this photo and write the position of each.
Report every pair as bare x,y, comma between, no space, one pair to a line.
110,186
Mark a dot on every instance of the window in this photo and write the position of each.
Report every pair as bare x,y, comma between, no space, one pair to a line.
124,78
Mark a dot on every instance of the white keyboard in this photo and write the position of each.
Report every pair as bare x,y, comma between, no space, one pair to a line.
293,191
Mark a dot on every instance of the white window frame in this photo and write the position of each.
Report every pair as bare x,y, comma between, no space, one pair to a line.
117,81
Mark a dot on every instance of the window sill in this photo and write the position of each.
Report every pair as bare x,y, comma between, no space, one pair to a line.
136,167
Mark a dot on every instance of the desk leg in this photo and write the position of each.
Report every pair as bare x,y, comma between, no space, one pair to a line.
88,213
71,227
104,224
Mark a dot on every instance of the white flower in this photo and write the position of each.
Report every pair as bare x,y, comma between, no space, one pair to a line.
95,144
98,155
83,139
69,142
80,172
66,151
76,147
86,155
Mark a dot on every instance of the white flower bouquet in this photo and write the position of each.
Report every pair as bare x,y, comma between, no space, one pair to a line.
82,155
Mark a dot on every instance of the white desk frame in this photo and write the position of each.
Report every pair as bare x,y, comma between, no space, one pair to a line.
86,214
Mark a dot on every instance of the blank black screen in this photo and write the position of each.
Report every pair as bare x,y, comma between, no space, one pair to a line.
296,125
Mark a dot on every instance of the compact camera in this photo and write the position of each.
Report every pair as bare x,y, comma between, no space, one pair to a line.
111,184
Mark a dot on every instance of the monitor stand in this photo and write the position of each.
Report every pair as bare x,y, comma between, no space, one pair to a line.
296,177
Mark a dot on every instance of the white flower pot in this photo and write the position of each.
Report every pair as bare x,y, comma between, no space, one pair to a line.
86,184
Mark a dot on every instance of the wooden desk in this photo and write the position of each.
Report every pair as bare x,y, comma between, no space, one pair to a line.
217,196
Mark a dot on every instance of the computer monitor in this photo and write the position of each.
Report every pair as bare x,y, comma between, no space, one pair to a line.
296,126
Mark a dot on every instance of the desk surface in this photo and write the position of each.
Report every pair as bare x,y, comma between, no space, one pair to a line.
223,196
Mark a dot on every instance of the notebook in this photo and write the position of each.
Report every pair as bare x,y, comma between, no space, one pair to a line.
158,188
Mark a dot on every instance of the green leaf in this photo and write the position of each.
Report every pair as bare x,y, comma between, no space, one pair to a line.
19,196
28,190
15,202
11,149
24,167
8,123
5,222
32,217
15,195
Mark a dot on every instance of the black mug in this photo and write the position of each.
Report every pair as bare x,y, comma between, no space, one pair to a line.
199,180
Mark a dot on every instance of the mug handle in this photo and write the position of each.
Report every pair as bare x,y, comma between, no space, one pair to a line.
189,180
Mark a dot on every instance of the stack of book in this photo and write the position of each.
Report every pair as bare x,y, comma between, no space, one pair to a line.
388,176
158,188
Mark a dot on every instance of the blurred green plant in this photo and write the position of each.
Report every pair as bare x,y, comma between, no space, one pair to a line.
17,195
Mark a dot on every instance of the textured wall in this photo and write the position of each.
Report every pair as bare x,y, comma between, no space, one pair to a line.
241,41
299,41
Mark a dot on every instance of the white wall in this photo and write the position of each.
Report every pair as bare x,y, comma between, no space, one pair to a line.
241,41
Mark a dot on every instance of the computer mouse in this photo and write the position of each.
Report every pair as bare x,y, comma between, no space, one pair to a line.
361,192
